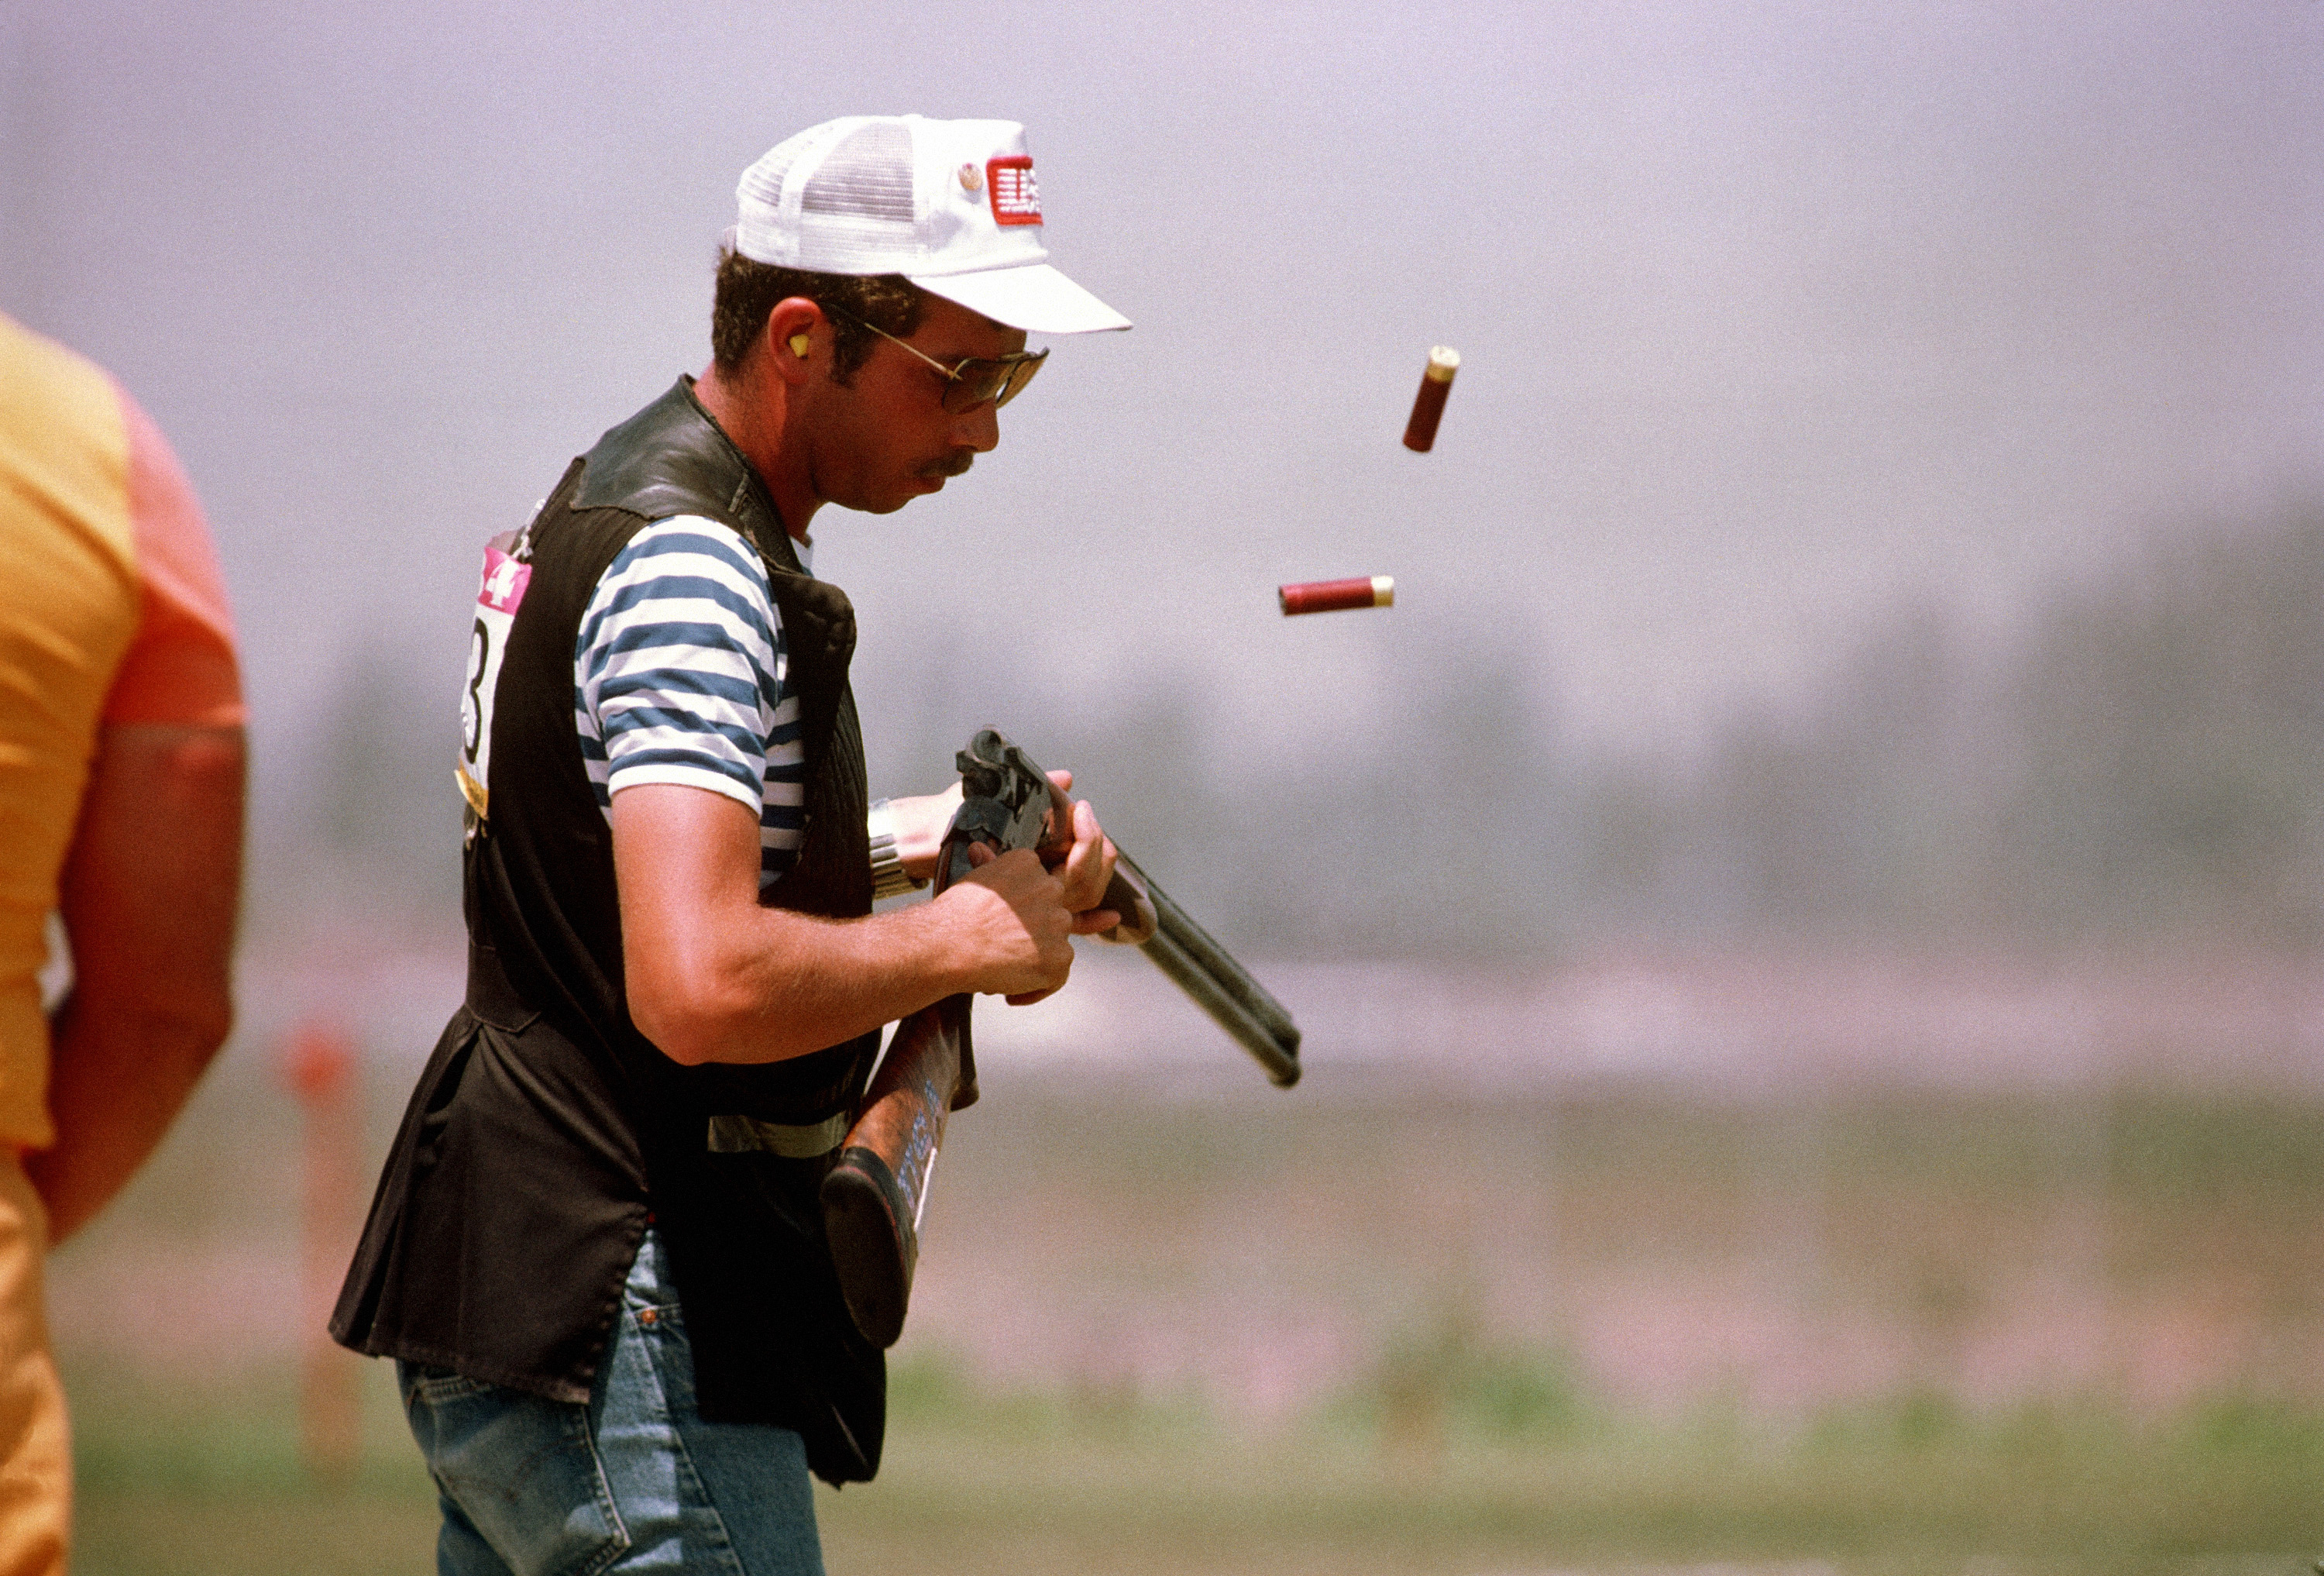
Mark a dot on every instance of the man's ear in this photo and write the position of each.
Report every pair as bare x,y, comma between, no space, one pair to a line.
796,335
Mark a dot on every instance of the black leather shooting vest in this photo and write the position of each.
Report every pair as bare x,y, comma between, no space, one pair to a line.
546,1132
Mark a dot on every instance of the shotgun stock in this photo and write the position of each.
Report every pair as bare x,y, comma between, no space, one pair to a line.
873,1199
875,1193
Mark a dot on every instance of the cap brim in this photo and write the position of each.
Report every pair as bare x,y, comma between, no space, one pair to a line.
1035,298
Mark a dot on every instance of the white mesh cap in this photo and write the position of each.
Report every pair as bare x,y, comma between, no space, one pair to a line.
951,204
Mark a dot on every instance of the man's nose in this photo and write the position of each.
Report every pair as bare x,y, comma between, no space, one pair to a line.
978,429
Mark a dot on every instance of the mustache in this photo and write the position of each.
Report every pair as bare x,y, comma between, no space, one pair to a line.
953,464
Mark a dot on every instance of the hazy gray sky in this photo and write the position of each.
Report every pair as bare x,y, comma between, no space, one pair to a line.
1772,316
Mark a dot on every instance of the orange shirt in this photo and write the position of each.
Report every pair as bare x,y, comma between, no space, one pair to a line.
112,610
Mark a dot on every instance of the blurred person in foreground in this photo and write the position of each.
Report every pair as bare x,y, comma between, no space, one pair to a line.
121,790
596,1248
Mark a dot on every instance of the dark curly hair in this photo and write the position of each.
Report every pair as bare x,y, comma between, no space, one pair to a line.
749,290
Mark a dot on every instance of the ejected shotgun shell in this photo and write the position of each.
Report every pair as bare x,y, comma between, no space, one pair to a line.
1332,595
1428,405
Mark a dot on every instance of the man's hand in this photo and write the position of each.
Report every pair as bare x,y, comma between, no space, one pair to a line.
1044,914
1088,867
1011,925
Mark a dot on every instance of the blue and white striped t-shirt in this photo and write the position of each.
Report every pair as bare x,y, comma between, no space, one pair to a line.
678,677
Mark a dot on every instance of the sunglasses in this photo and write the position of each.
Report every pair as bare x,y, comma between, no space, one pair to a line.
973,380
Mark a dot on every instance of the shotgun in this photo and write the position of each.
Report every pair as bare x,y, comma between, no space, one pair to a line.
875,1193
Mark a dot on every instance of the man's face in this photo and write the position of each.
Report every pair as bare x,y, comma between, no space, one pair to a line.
886,439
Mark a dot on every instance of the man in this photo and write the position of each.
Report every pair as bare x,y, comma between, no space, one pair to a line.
596,1250
121,788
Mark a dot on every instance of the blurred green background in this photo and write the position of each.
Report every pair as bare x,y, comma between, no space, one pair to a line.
1385,1327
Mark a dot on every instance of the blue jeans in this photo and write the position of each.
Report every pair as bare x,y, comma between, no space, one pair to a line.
631,1480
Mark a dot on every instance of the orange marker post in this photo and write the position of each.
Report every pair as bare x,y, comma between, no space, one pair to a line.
1428,405
1334,595
321,1070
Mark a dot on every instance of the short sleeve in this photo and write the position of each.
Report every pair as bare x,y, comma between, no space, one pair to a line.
678,666
181,665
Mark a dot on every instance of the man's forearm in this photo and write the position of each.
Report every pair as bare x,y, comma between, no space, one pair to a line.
713,976
150,892
768,984
118,1079
918,825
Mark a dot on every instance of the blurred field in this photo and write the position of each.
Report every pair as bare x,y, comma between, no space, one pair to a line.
1364,1328
1037,1490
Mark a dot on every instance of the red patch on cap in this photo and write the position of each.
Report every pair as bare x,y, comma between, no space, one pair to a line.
1015,200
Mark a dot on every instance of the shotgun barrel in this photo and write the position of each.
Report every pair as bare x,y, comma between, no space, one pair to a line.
1208,973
